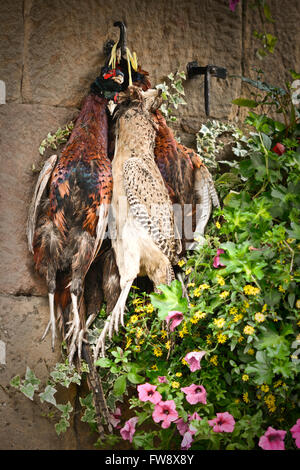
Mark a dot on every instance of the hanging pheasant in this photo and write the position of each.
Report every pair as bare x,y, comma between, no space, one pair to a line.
144,240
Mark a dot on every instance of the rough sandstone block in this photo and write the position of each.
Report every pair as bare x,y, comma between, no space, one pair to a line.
22,128
64,54
11,47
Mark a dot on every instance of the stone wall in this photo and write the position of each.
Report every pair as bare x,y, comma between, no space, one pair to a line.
50,52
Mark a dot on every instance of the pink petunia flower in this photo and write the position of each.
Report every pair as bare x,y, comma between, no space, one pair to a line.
162,379
195,394
128,430
182,426
273,439
224,422
175,318
295,430
193,359
114,418
233,4
186,441
217,261
147,392
165,411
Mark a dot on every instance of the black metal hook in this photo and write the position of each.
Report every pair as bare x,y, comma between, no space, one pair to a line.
208,71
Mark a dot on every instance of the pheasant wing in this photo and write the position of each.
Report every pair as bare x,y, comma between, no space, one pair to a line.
38,193
150,204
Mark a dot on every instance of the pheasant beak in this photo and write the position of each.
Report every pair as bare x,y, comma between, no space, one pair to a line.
111,106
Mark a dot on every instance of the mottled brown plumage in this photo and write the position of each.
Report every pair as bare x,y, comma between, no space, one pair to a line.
144,237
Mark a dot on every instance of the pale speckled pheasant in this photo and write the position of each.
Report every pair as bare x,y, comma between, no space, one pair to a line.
144,239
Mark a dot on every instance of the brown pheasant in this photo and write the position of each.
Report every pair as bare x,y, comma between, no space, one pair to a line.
143,239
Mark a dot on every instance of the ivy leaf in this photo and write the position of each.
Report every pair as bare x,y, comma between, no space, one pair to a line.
48,395
267,13
65,409
170,299
120,385
61,426
28,390
245,102
15,381
30,378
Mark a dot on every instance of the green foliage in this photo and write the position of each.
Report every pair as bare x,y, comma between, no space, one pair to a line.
243,309
63,374
172,95
279,99
59,137
169,300
208,143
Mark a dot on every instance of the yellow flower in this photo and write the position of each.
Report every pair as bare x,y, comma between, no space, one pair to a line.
178,374
264,308
128,343
157,351
233,311
265,388
197,292
290,240
251,351
208,340
181,263
139,332
241,338
270,402
259,317
248,330
246,397
246,304
224,294
138,348
163,334
277,383
168,344
220,280
221,338
237,401
191,284
214,360
281,289
245,377
175,384
200,314
204,286
134,319
188,271
184,362
238,317
137,301
154,367
219,322
251,290
218,225
298,303
149,308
